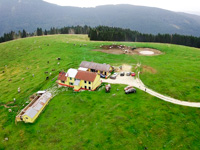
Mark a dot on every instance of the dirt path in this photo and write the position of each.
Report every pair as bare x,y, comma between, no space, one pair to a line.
6,105
136,82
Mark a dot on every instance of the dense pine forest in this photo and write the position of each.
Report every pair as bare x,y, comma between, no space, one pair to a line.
104,33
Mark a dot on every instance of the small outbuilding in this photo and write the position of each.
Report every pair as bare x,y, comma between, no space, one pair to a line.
104,69
30,113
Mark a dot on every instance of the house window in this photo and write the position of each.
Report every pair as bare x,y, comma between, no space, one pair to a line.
70,78
62,81
89,88
92,70
85,82
85,87
89,82
71,83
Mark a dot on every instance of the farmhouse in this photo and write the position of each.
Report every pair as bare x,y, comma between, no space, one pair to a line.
86,80
79,79
34,108
103,69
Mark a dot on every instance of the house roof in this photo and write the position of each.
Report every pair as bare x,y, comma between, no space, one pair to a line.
86,75
31,112
96,66
71,73
62,76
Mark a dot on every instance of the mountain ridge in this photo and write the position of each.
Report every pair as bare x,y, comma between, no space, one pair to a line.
28,14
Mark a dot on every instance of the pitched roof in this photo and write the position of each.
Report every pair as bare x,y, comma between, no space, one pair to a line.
71,73
31,112
96,66
86,75
62,76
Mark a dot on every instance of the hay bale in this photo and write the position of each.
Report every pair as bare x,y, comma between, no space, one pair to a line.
10,110
6,139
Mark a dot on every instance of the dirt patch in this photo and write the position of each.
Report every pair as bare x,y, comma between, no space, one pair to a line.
123,68
148,69
122,49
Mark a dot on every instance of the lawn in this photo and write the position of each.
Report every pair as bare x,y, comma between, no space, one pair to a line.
99,120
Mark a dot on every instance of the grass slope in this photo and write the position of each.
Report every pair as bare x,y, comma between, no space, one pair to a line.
99,120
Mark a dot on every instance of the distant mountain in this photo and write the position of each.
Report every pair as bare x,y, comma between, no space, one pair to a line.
30,14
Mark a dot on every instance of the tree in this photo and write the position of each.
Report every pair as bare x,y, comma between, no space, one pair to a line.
24,34
39,32
45,32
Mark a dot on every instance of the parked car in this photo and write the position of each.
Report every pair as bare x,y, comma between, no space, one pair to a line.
122,74
102,76
128,87
133,74
128,73
114,75
131,90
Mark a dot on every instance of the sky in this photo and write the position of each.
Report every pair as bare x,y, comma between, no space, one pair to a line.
191,6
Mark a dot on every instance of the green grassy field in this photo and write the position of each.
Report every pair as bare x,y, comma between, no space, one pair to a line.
99,120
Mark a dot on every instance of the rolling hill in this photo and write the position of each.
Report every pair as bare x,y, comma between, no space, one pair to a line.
98,120
30,14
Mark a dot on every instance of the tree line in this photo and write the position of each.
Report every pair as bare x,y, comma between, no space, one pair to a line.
105,33
39,32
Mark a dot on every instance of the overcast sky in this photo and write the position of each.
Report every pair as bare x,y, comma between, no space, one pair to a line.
174,5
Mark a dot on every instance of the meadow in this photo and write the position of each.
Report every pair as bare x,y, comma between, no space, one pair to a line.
99,120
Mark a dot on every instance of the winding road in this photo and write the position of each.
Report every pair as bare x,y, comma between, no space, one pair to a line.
136,82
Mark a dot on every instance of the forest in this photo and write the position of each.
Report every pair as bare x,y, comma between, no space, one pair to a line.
105,33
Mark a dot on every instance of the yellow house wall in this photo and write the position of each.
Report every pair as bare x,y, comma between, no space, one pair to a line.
76,87
68,81
110,69
96,82
83,84
59,81
27,119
